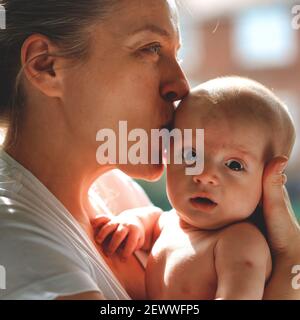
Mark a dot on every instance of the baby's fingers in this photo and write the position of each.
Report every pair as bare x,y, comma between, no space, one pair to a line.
106,231
131,244
118,237
99,221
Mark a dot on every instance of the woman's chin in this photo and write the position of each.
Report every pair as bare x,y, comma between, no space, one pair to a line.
154,173
144,171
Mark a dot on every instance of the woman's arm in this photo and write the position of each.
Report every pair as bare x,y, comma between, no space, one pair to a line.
283,232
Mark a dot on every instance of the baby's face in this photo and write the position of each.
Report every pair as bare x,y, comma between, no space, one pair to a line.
230,187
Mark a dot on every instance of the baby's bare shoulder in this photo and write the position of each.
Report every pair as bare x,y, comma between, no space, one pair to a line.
244,232
243,242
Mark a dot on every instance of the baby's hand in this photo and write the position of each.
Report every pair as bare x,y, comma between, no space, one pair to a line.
124,233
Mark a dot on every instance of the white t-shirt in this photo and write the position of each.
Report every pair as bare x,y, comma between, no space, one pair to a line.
43,249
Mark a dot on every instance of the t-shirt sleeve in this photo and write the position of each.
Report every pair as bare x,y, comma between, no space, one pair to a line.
37,268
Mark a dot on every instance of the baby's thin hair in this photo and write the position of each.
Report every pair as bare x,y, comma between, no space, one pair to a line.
258,102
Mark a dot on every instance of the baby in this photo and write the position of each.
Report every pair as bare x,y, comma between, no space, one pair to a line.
207,248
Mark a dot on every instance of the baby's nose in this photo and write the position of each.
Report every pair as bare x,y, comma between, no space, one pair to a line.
206,177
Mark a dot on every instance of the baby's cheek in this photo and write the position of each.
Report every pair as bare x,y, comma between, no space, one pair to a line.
256,186
246,198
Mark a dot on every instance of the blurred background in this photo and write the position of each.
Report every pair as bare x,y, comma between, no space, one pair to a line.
259,39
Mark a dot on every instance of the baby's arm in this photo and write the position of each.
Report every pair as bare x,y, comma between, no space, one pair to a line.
243,263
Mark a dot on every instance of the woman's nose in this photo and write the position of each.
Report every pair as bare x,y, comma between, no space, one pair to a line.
175,86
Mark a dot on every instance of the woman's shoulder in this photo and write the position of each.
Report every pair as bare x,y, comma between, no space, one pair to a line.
40,263
27,240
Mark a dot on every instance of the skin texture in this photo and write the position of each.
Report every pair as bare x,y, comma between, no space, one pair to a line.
242,266
205,265
226,140
68,103
243,124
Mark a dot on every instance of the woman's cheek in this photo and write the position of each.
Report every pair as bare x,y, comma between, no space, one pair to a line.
178,193
146,72
171,189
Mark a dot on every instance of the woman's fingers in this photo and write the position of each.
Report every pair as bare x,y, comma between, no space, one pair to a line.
118,237
279,217
273,181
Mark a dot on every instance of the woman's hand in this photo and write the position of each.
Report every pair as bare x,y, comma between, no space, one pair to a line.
283,232
124,233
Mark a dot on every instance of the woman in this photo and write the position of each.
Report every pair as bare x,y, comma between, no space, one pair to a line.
79,67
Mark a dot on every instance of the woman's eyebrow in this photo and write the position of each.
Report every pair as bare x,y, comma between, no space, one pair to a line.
154,29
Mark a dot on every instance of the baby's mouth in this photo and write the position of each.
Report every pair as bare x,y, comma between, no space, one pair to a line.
203,203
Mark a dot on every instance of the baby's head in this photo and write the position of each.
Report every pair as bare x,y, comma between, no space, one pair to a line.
245,125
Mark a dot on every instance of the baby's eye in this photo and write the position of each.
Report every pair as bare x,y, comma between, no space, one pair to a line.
189,156
234,165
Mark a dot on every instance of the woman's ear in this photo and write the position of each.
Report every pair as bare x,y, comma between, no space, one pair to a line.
42,70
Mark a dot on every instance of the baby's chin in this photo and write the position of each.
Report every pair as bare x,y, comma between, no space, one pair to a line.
209,223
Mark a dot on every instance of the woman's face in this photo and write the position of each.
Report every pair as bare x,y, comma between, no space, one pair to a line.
132,75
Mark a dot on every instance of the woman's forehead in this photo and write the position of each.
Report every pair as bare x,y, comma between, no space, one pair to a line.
134,19
131,15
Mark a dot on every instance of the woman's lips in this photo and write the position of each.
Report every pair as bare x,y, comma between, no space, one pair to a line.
203,203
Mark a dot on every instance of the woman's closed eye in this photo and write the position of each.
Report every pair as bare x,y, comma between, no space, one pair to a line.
152,49
235,165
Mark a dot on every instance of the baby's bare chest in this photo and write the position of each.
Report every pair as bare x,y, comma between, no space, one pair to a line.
184,264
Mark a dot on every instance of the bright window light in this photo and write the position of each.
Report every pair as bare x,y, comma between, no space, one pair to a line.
263,38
